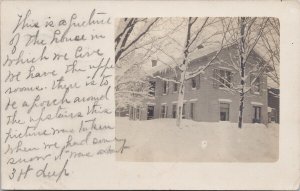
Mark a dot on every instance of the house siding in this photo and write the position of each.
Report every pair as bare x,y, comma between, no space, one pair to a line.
206,97
207,105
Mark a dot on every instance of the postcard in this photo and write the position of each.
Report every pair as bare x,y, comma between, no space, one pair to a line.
150,95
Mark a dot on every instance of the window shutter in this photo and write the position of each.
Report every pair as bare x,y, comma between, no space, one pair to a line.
260,84
166,115
215,83
167,92
251,79
162,87
198,81
231,78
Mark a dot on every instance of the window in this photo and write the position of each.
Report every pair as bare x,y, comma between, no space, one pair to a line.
175,87
193,83
163,112
134,113
192,110
256,85
165,87
222,78
174,108
224,112
183,111
150,112
152,88
257,114
138,113
273,115
130,112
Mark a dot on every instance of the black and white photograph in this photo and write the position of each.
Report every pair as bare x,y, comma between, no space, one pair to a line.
198,89
147,94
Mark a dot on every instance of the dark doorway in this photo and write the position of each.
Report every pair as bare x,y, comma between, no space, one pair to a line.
150,112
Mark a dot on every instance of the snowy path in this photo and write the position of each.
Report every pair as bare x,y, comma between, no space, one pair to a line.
161,141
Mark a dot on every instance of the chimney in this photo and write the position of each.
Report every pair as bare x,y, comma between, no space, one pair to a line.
154,63
200,46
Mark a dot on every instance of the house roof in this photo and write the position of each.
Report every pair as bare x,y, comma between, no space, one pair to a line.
202,57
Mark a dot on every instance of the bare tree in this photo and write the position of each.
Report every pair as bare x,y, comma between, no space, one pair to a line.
270,43
245,33
195,36
134,46
126,38
132,88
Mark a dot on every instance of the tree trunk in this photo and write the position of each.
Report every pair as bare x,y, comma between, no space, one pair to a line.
242,97
183,72
180,99
242,70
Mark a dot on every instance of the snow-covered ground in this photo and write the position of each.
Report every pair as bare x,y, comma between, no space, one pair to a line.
160,140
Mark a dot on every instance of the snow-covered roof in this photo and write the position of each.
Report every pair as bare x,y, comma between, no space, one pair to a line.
199,56
198,53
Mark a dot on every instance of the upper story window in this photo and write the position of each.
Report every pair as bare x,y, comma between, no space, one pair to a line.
193,83
222,78
256,85
152,88
175,87
165,87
